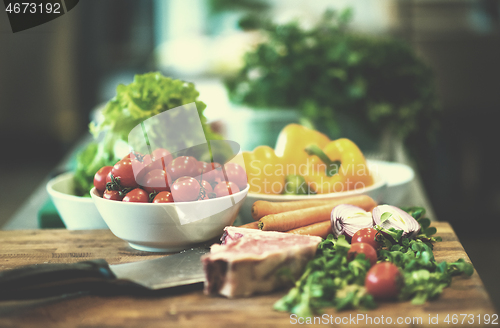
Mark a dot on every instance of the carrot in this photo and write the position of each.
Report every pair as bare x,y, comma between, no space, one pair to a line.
251,225
320,229
295,219
262,208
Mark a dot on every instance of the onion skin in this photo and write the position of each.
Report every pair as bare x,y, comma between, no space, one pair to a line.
399,220
348,219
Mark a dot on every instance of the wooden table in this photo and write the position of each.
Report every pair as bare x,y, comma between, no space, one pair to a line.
188,306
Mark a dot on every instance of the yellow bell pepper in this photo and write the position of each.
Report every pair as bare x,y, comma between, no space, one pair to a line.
265,171
292,141
339,166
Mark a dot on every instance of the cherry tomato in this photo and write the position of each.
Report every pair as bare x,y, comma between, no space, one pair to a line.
100,178
123,170
204,185
158,160
156,180
129,155
108,177
181,166
207,186
185,189
138,158
362,248
211,172
235,173
134,155
225,188
366,235
155,165
141,164
160,154
136,195
112,195
384,280
202,167
163,197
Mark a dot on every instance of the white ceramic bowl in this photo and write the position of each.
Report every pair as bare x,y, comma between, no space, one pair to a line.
76,212
376,191
398,177
392,181
169,227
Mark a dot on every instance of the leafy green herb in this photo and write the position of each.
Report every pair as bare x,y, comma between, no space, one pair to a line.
329,280
424,278
426,231
428,283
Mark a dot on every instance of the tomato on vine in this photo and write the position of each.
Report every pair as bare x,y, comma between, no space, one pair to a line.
211,172
235,173
185,189
182,166
136,195
163,197
207,187
156,180
140,164
112,195
124,172
100,178
162,155
225,188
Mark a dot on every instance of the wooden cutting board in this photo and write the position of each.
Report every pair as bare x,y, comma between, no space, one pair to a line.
187,306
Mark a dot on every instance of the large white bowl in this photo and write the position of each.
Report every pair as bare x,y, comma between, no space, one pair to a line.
169,227
77,213
392,181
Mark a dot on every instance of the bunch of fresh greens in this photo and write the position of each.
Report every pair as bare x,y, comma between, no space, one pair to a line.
328,72
331,280
149,94
424,278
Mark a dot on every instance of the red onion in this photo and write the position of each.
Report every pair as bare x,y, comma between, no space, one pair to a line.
348,219
388,216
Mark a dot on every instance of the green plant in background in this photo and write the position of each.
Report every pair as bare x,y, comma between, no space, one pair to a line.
149,94
250,11
328,72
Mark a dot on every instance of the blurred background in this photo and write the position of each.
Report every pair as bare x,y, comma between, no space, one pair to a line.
52,77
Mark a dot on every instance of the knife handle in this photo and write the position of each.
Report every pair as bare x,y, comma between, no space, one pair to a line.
42,280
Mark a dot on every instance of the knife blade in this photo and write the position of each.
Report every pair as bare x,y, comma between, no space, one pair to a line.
41,280
179,269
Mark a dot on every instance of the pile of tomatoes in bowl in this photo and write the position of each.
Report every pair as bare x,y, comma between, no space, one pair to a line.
160,178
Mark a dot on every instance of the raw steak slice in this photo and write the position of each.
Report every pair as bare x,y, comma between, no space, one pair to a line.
248,260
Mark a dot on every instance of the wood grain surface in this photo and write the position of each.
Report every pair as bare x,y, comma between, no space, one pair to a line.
188,307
